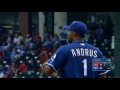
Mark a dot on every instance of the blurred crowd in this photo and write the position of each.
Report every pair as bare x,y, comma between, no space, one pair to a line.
22,57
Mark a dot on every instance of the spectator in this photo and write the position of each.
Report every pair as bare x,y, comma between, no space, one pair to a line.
56,41
54,50
47,42
16,39
44,50
1,53
28,38
1,60
6,56
32,66
15,55
6,75
1,71
15,69
10,42
23,67
11,35
100,34
20,36
36,38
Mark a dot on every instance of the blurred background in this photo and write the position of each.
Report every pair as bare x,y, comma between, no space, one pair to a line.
28,39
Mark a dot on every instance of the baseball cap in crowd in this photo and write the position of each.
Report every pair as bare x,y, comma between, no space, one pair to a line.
77,26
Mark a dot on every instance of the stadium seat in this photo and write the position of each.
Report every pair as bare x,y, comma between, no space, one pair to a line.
36,57
21,62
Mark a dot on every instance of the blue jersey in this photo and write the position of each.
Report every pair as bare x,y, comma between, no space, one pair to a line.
75,60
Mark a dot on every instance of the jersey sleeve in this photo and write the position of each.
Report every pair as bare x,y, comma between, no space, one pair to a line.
57,59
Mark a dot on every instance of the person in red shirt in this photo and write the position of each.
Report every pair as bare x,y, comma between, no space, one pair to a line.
54,50
44,50
1,53
23,67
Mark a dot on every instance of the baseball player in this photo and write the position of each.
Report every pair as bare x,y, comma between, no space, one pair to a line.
75,59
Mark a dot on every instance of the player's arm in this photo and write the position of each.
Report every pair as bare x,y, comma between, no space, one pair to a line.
54,63
48,70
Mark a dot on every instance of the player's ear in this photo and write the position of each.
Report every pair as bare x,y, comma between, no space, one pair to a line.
74,34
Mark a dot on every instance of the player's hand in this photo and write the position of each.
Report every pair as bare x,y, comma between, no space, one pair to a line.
54,74
43,65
